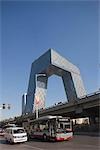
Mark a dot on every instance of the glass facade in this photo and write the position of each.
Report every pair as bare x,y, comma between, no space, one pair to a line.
46,65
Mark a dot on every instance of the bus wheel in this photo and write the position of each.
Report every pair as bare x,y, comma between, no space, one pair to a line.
44,137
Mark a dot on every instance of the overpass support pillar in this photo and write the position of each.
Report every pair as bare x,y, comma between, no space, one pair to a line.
92,120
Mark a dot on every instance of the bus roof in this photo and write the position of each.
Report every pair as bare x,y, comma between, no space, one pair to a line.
49,117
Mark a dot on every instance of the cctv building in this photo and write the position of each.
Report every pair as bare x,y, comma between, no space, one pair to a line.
48,64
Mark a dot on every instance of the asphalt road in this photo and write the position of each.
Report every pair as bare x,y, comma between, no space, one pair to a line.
78,143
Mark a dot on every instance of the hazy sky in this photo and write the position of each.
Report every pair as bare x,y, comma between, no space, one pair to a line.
30,28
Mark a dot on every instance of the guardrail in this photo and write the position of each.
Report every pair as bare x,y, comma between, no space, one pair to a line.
63,103
91,94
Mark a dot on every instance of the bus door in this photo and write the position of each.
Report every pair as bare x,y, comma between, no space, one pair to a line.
52,129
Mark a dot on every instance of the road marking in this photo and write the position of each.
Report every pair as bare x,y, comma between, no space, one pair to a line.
36,148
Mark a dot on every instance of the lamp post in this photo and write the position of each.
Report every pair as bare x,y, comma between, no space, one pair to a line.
36,96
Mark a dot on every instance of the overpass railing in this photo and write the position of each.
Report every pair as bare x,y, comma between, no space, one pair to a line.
62,103
91,94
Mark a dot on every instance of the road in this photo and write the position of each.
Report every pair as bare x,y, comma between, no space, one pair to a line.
78,143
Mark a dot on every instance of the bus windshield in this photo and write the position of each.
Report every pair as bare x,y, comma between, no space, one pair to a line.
63,125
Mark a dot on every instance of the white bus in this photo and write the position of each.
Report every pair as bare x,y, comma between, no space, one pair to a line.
55,128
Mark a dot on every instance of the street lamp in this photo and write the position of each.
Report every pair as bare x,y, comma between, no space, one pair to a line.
36,97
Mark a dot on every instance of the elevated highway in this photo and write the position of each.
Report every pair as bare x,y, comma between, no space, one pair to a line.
83,107
87,106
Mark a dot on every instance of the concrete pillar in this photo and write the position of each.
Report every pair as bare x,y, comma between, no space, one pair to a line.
92,120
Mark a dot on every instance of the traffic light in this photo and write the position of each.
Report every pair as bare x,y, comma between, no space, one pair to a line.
8,106
3,106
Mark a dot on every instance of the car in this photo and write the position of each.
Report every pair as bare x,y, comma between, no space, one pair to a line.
15,135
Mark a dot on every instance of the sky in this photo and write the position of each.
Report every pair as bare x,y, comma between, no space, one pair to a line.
29,29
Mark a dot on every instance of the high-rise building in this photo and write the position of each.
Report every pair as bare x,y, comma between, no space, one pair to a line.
48,64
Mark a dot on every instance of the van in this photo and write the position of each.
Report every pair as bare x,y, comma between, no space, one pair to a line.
15,135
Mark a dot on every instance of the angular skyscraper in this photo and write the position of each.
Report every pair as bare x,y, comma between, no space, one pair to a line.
46,65
24,98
